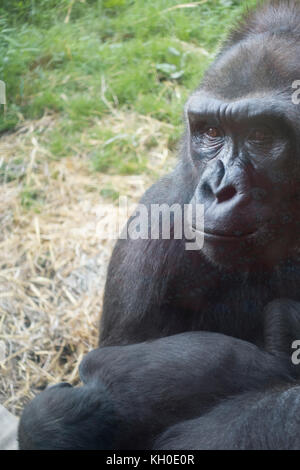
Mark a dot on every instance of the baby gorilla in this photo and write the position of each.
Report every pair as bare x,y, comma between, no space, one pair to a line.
133,394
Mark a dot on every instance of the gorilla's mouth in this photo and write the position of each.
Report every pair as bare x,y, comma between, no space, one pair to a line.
228,236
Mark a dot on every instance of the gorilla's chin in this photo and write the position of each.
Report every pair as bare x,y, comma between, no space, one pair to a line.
259,251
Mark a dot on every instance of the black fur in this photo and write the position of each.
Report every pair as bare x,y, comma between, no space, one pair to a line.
252,421
133,393
67,418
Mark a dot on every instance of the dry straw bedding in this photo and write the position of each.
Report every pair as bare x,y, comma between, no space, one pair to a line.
52,263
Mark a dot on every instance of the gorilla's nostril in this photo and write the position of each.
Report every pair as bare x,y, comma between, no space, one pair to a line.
226,193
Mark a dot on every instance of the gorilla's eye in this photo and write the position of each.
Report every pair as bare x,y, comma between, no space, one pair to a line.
213,132
206,137
260,135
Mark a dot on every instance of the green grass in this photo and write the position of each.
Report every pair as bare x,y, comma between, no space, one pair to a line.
12,170
139,55
31,198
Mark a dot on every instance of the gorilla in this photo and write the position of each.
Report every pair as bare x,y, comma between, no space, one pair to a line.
174,392
239,159
195,345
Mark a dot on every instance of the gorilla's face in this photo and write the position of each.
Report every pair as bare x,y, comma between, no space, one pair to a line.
245,154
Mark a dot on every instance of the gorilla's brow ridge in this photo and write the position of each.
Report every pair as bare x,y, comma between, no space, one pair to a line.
244,110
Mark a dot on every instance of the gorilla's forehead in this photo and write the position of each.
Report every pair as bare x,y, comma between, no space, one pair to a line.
204,105
254,66
251,105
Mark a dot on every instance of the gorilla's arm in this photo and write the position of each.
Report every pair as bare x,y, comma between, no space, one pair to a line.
137,302
266,420
133,393
67,418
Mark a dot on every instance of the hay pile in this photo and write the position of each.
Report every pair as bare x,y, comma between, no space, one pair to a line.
52,263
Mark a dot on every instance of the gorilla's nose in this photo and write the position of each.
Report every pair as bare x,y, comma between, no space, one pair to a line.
225,193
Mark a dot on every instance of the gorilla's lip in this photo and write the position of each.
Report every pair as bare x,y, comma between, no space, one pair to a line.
229,236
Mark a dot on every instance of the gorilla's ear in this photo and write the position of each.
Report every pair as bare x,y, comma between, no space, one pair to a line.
63,417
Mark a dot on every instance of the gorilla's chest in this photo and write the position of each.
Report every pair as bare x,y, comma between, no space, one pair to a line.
231,304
